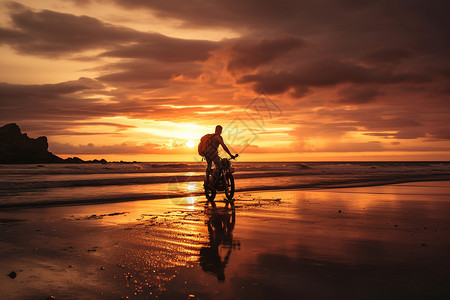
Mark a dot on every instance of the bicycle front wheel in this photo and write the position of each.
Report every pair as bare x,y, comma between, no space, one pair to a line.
229,186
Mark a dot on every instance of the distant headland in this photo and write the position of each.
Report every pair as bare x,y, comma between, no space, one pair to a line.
17,148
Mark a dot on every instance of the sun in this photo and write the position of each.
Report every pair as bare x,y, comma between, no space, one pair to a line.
190,144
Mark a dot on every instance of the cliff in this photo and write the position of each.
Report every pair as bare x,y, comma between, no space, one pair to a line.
17,148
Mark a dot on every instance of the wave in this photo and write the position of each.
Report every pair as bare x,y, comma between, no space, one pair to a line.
243,185
19,185
131,168
65,175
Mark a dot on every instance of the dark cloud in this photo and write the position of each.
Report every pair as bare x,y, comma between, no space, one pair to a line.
446,72
358,95
10,93
413,122
323,73
388,55
218,13
85,99
66,100
248,54
349,32
441,132
380,122
61,128
166,49
393,18
143,74
413,133
378,117
49,33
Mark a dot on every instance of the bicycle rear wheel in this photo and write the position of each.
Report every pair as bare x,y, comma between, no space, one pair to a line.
210,194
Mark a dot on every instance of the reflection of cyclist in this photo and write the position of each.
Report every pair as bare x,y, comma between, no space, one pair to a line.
211,153
220,228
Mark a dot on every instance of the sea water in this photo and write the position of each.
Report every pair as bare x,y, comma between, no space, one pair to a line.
70,184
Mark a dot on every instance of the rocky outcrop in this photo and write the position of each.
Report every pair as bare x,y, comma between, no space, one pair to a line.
17,148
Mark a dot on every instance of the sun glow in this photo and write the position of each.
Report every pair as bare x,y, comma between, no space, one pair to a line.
190,144
180,131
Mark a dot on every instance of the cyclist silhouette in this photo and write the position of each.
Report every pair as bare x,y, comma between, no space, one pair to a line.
212,154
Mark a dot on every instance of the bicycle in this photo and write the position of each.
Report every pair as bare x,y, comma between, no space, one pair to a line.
224,182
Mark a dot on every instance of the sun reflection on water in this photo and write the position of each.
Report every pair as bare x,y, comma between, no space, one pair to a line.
175,241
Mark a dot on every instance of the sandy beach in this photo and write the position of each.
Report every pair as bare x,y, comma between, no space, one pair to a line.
381,242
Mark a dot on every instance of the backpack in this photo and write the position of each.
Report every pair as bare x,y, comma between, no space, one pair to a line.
206,144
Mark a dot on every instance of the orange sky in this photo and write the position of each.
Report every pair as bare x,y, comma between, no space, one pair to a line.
288,80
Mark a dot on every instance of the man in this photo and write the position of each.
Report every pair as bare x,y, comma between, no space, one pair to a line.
212,154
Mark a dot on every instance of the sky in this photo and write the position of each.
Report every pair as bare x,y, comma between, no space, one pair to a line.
289,80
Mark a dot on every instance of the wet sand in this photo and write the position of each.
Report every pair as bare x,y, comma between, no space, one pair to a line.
383,242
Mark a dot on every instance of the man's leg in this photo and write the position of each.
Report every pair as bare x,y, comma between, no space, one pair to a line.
215,175
209,164
209,161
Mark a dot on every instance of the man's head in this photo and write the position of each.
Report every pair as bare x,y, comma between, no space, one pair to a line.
218,129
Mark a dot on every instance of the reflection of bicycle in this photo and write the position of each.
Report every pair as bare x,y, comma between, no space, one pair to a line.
224,181
215,255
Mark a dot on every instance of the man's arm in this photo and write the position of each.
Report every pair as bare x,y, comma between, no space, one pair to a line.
220,139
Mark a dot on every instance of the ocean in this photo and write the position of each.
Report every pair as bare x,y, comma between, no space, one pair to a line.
72,184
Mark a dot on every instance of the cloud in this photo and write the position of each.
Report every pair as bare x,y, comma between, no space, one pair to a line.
440,132
412,133
358,95
29,94
338,146
86,99
216,13
405,120
166,49
82,2
90,148
370,146
388,54
326,73
82,98
347,34
384,20
146,74
48,33
353,74
328,129
124,148
61,128
250,54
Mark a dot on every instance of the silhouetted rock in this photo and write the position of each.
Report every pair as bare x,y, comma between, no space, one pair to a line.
17,148
75,160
